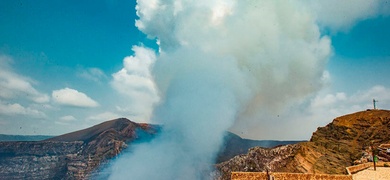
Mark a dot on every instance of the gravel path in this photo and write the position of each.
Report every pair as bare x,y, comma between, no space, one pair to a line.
381,173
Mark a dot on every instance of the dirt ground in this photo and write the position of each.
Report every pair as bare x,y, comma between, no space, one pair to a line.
381,173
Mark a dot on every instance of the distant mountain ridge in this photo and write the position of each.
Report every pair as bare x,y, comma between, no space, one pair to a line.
91,133
7,137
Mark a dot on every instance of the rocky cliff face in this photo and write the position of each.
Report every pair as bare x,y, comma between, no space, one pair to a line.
36,160
75,155
353,133
330,150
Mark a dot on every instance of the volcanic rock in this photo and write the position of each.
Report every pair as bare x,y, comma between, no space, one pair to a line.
330,150
74,155
235,145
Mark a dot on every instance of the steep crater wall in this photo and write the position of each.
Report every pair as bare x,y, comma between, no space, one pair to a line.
36,160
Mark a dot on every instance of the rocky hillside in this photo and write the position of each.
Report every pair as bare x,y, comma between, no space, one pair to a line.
235,145
37,160
350,134
330,150
75,155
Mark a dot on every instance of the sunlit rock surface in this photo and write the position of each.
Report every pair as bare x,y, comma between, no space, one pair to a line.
341,143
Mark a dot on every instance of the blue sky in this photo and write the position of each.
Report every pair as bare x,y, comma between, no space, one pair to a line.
74,48
68,33
362,55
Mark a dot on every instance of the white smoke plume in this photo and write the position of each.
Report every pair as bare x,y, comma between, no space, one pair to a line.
220,62
135,81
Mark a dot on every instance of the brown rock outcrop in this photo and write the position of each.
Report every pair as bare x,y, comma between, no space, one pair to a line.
330,150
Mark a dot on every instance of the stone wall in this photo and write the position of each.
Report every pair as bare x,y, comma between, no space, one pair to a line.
286,176
300,176
248,175
360,167
357,168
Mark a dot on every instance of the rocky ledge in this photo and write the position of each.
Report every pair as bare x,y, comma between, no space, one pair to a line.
75,155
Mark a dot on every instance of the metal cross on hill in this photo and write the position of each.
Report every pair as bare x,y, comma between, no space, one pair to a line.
374,102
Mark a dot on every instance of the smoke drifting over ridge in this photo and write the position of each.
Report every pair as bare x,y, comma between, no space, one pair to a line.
219,62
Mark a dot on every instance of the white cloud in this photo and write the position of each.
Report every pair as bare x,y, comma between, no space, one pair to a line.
378,92
72,97
103,117
328,100
360,100
14,109
324,108
13,85
67,118
92,74
342,15
135,82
